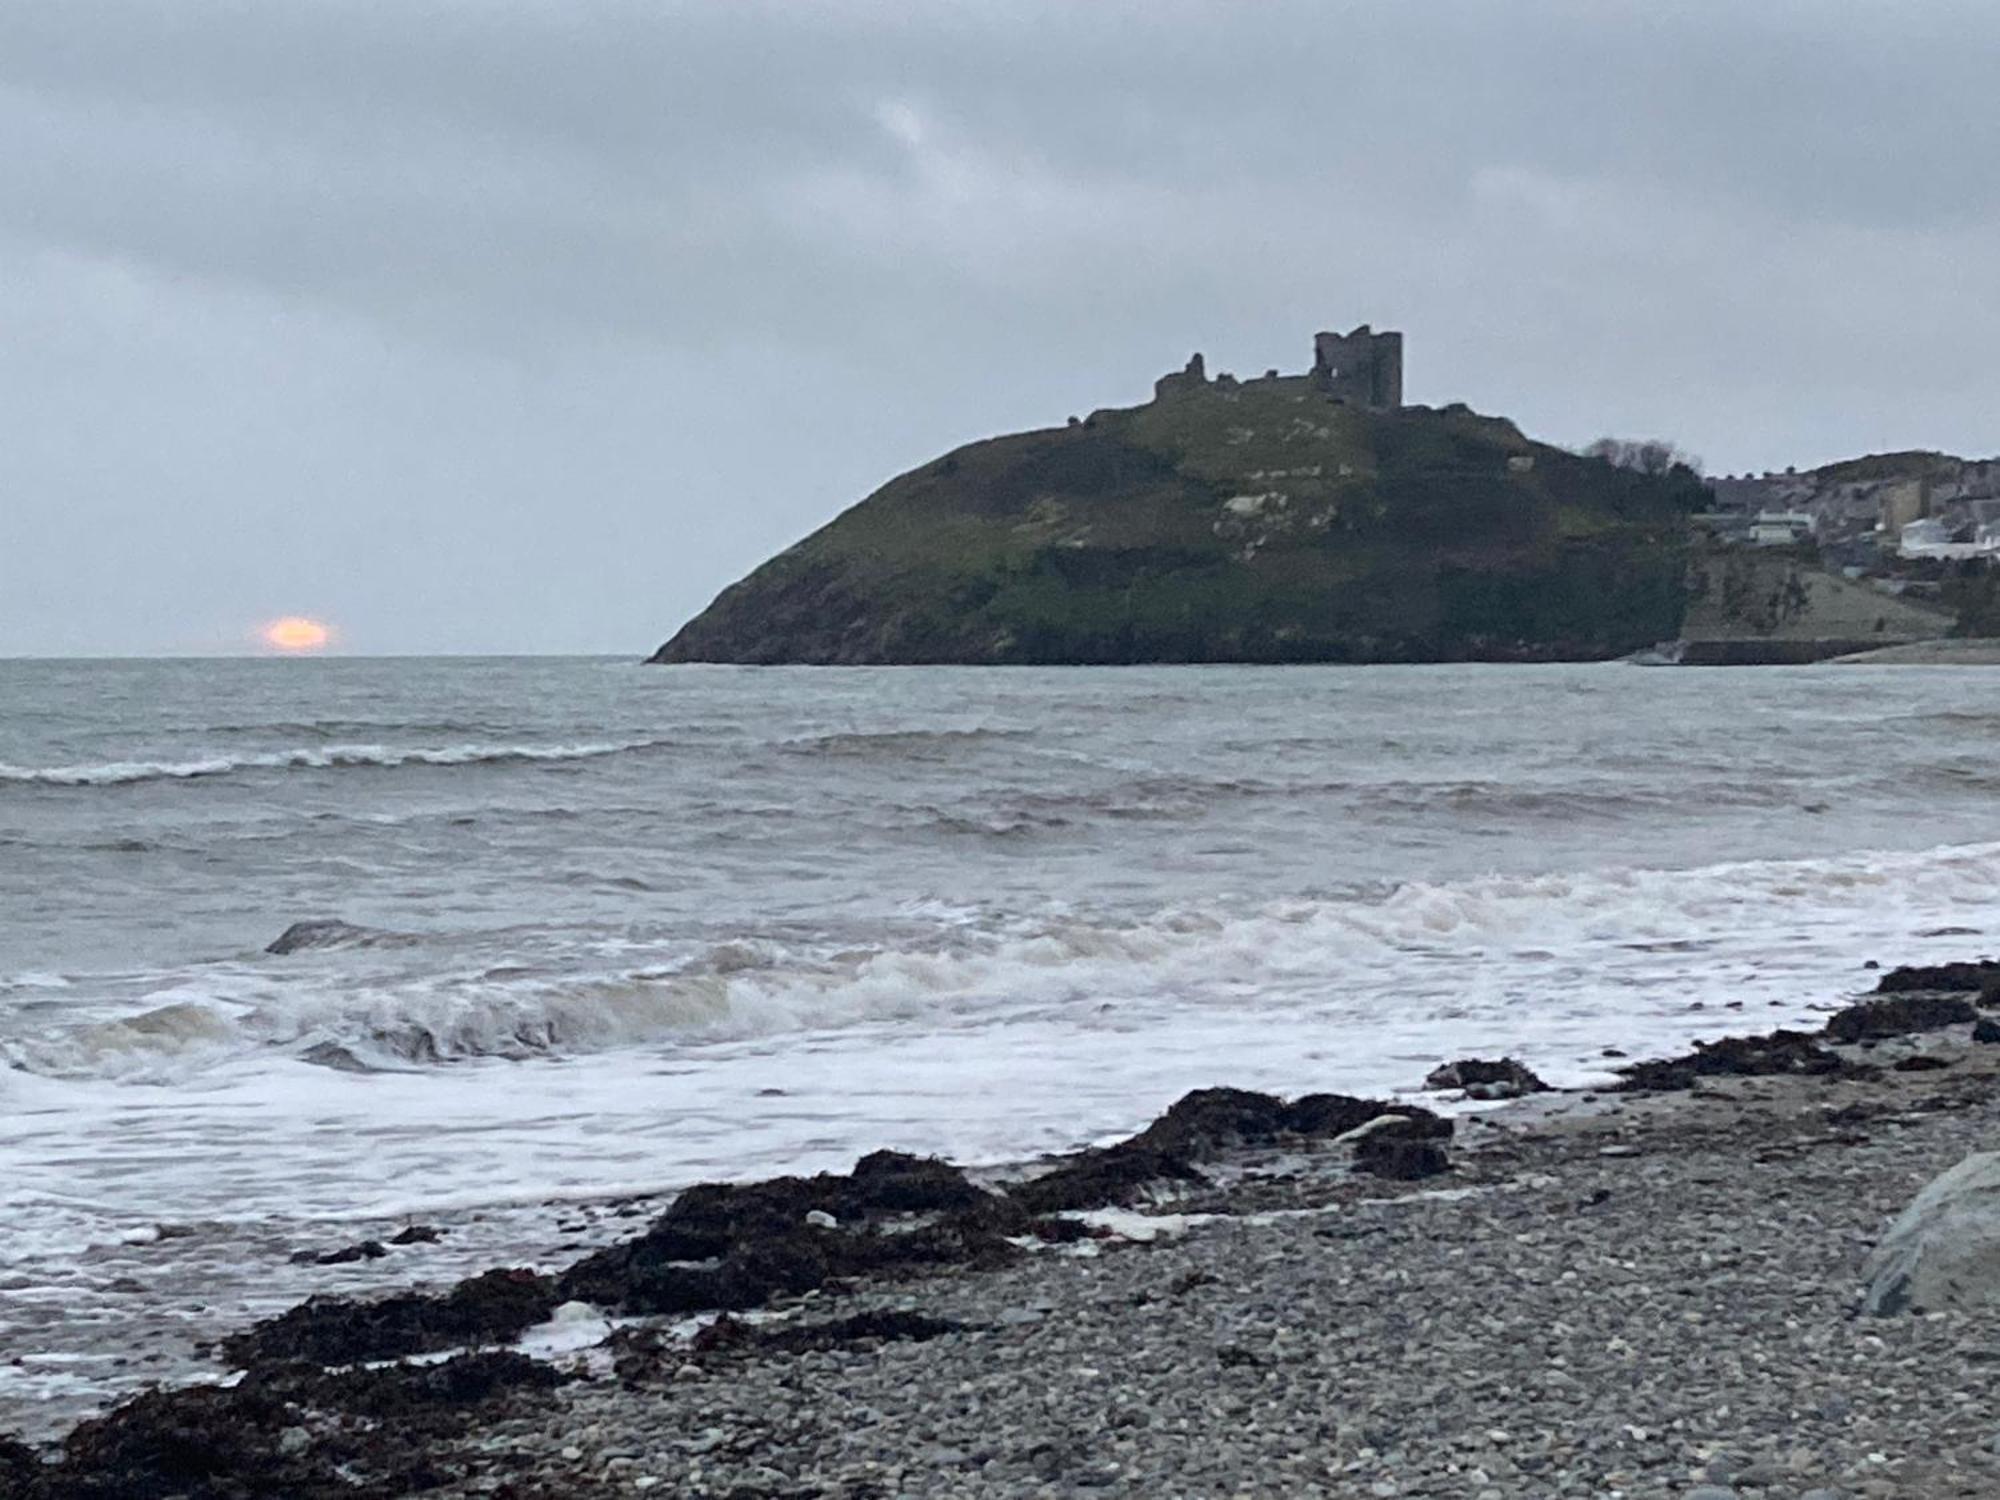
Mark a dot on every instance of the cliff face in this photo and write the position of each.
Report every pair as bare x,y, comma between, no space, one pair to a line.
1255,522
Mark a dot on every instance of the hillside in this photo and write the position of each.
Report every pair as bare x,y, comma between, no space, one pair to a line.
1223,521
1753,606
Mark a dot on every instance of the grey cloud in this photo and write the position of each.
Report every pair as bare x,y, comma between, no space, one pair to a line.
524,283
544,160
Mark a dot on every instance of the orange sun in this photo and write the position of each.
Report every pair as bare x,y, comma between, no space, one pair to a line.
296,633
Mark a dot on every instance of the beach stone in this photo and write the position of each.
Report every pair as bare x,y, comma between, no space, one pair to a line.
1944,1251
1710,1492
1986,1030
1922,1062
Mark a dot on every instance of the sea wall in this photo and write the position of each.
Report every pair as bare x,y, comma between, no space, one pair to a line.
1747,652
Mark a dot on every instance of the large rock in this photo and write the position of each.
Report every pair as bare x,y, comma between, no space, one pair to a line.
1944,1251
318,932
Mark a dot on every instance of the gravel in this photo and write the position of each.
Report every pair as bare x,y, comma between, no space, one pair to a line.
1633,1296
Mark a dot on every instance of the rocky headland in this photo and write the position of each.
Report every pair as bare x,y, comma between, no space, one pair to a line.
1303,518
1676,1286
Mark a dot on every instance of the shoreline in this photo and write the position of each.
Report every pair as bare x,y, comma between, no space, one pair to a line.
1970,651
1313,1301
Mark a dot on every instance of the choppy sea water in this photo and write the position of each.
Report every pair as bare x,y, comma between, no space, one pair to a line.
622,928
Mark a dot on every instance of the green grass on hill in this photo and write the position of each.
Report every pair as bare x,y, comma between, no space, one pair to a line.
1257,522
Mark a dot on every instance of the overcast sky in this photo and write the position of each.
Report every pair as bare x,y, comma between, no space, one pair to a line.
526,325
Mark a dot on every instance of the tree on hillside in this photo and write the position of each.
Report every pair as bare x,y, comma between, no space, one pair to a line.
1646,455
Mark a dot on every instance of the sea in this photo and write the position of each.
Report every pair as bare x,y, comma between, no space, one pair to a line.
611,929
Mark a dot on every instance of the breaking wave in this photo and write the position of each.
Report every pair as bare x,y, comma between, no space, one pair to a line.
1582,944
306,758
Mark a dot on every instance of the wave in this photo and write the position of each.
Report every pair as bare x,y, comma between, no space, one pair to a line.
1184,798
327,729
1958,777
324,758
1961,718
889,744
1563,944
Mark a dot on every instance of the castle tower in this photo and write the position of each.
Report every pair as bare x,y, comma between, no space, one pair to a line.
1193,378
1363,367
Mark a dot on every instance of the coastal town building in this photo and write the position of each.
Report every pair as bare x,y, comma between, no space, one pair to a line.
1781,528
1885,506
1934,537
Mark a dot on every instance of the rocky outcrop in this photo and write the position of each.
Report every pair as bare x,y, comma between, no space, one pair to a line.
319,932
1944,1251
331,932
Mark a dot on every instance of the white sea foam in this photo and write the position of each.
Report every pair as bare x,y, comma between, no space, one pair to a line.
1553,941
992,1052
311,758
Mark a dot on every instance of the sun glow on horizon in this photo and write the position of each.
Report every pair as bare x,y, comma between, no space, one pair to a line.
296,633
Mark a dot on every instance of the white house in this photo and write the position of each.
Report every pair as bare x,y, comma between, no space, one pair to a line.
1932,538
1781,528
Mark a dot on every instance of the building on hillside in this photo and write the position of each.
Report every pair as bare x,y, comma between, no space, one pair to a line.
1781,528
1932,537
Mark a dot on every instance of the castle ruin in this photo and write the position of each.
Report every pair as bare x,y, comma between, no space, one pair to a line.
1362,368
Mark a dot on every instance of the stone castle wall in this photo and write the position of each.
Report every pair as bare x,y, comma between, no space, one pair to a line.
1363,367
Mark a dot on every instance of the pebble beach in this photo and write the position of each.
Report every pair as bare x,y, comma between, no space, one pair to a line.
1642,1299
1609,1294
